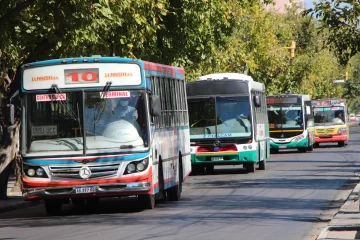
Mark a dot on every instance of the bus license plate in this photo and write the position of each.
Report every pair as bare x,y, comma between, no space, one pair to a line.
282,146
85,189
217,158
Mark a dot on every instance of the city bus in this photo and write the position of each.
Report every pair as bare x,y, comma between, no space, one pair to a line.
228,122
331,121
291,122
97,127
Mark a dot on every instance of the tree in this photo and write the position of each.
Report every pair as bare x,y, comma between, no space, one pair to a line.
341,19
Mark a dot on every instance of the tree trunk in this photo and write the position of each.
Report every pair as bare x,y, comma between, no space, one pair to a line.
8,152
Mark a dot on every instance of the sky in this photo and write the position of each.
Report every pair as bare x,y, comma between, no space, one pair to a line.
309,3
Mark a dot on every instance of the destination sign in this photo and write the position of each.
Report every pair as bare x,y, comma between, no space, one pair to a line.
275,100
81,75
328,102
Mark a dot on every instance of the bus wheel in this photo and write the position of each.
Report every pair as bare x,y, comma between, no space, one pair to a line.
250,167
147,201
310,148
341,144
174,193
78,201
262,165
210,168
303,149
53,207
274,150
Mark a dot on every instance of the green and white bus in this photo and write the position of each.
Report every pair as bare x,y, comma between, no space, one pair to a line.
228,122
291,122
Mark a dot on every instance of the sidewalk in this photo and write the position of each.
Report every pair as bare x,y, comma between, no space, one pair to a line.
346,222
14,201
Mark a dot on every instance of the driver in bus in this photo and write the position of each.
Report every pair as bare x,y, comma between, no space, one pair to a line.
121,109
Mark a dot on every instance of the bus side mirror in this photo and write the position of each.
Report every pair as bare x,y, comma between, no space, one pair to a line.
11,113
308,110
257,101
155,106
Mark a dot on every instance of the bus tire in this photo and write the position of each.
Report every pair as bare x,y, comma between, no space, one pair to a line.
274,150
341,143
250,167
210,168
162,195
311,148
262,165
147,201
53,207
197,169
78,201
174,193
303,149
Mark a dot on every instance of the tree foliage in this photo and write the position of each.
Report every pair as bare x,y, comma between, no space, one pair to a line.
203,36
341,19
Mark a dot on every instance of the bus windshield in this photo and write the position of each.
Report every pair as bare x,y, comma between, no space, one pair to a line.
111,122
285,117
329,116
220,117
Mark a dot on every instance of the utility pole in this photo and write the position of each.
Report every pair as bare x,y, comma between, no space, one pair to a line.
292,49
346,76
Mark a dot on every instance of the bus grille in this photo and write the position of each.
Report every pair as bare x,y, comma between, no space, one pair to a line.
322,131
97,171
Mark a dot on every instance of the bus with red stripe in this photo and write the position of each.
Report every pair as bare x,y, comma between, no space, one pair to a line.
97,127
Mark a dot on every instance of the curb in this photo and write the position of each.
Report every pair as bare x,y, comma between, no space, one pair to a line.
11,206
348,198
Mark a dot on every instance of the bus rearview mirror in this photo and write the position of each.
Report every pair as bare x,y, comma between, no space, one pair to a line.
257,101
308,110
155,106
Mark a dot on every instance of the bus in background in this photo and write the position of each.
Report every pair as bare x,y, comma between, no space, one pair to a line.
102,127
352,118
330,117
228,122
291,122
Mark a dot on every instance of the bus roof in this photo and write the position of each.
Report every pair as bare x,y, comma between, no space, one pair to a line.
289,95
219,76
90,72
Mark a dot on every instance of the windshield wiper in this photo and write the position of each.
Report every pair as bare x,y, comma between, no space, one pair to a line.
54,90
101,109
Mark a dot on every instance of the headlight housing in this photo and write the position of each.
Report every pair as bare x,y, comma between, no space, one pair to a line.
35,171
299,137
342,131
136,166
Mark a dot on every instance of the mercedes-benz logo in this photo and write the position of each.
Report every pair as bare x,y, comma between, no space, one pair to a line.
282,135
85,172
216,143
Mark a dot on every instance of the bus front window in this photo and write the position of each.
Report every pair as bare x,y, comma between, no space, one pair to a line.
329,116
116,121
285,117
220,117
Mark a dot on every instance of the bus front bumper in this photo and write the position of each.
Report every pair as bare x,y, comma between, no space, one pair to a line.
291,144
102,190
333,138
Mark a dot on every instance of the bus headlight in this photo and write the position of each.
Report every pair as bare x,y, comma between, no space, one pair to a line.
34,171
342,131
31,172
137,166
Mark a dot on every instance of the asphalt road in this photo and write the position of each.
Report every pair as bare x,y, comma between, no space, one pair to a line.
293,199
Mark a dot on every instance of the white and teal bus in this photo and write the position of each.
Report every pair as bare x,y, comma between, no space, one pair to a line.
291,122
228,122
97,127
